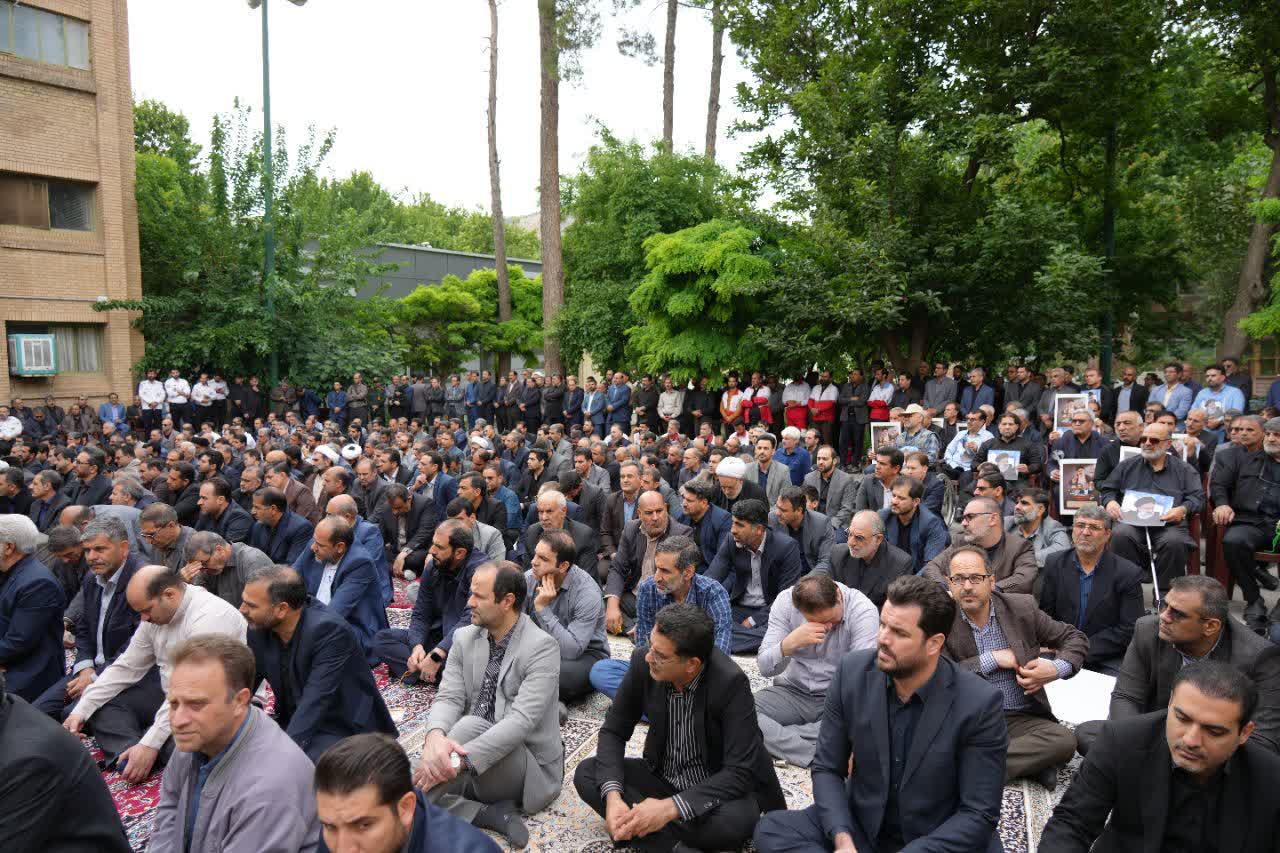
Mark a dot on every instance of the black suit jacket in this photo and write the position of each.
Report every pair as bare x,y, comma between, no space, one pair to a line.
55,800
57,504
419,528
592,501
1150,664
780,567
96,491
1137,397
234,525
872,578
953,780
187,506
334,694
284,542
725,719
1115,601
1127,776
624,571
583,537
122,620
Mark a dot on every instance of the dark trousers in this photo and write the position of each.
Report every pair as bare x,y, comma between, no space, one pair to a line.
746,641
1239,543
391,646
415,561
575,674
151,419
727,827
179,413
853,437
123,721
826,429
798,831
1172,546
54,701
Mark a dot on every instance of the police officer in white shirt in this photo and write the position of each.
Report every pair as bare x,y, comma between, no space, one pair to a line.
177,391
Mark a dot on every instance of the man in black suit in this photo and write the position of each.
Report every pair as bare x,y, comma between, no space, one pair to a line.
181,482
1188,778
553,514
407,522
754,567
370,490
91,485
865,561
705,775
1247,504
323,687
48,502
1131,396
54,796
106,621
590,498
221,515
924,739
651,524
277,531
1093,589
1193,624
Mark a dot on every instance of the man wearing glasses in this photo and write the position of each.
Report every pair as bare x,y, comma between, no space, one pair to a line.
959,455
1193,624
1000,636
1082,441
1093,589
164,540
1011,559
1159,472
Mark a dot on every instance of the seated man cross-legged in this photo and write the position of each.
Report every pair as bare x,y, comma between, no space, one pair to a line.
911,747
811,627
705,776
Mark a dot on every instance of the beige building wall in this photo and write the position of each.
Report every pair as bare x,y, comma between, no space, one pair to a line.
62,122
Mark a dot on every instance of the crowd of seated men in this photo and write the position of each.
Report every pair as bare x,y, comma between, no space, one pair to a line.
202,588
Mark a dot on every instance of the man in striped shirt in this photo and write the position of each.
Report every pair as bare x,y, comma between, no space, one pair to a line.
705,776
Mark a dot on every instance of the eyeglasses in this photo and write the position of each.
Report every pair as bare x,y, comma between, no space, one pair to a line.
1089,528
1151,439
970,516
968,580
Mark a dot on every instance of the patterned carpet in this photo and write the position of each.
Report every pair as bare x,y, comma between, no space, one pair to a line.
568,824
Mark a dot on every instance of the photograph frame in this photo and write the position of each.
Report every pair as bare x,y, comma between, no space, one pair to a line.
1127,452
1015,457
885,431
1129,513
1069,498
1179,445
1063,406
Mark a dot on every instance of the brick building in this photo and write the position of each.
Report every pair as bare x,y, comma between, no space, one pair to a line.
68,218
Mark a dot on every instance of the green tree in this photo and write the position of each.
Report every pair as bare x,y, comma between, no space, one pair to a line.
699,301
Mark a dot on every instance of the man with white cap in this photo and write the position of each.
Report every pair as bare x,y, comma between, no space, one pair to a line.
732,485
914,436
322,458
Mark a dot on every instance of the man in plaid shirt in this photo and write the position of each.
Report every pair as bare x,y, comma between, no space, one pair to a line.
675,579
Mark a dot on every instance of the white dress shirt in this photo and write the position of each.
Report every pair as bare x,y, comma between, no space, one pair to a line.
325,591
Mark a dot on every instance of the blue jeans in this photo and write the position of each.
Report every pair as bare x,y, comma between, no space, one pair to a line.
606,675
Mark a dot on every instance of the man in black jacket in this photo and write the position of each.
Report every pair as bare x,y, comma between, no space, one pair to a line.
48,502
700,711
323,687
1245,485
634,560
53,793
91,486
1188,778
221,515
865,561
1194,624
1093,589
407,522
181,481
100,635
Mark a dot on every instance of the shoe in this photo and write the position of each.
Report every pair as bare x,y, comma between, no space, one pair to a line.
1047,778
1255,616
503,819
1266,580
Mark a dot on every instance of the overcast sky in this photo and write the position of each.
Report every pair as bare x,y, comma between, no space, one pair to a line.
404,83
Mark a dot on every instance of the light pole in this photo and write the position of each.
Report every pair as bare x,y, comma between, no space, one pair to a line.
268,185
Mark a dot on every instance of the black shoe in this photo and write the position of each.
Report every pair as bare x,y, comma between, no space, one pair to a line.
1255,616
1266,580
1048,778
681,847
503,819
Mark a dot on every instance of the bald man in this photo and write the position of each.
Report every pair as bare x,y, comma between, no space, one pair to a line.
368,537
125,708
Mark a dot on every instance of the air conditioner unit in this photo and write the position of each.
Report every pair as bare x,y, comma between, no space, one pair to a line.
32,355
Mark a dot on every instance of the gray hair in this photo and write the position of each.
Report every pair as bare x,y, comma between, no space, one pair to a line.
792,432
19,531
1093,512
204,542
131,487
872,519
112,528
556,497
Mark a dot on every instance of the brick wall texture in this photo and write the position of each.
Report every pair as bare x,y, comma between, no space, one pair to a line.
78,125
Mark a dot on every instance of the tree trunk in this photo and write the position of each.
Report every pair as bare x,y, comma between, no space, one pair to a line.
717,63
549,191
495,189
1251,289
669,78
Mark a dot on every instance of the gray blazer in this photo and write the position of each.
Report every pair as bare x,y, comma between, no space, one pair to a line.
779,479
841,494
525,706
816,537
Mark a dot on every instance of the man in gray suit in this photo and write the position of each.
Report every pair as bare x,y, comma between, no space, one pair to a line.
812,531
836,489
493,735
766,473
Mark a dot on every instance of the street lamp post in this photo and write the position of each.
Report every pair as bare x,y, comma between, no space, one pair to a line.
268,185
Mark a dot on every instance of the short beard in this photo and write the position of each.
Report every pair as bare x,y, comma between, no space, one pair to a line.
1151,454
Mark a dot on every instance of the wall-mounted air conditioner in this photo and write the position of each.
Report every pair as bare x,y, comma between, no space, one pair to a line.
32,355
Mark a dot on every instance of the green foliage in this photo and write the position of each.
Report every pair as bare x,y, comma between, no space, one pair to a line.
623,195
449,323
699,300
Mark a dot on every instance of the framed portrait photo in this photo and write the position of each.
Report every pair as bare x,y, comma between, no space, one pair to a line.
1076,486
1064,405
883,435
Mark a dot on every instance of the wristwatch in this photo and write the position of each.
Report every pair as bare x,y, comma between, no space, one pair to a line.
436,656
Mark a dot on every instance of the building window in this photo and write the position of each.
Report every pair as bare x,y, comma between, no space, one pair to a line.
79,345
43,36
45,203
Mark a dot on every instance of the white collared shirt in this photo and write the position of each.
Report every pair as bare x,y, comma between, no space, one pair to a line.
325,591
